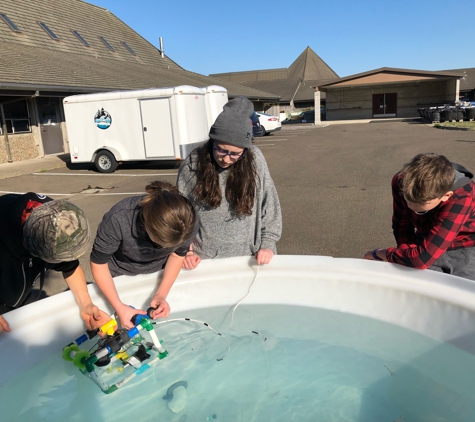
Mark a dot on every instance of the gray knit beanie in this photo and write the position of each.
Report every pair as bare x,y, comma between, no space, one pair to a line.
57,231
233,126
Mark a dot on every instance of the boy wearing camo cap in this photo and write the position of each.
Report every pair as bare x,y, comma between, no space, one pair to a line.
38,234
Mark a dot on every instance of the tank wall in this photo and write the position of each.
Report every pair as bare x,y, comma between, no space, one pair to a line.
437,305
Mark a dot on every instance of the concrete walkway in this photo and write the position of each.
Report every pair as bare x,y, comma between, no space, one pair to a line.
35,165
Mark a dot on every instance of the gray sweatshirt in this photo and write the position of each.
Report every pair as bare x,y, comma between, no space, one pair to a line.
123,243
221,234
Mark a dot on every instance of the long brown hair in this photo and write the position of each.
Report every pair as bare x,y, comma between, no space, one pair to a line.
168,217
240,185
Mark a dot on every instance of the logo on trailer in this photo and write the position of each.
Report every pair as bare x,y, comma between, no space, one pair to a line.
102,119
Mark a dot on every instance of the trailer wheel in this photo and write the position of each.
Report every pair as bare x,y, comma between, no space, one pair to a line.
105,162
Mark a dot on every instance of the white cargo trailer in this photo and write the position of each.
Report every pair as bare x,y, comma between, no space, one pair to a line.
150,124
215,98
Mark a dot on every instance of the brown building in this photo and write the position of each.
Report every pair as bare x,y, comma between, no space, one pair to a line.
388,92
309,83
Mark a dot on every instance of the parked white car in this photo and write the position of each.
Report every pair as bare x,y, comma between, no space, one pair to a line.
269,123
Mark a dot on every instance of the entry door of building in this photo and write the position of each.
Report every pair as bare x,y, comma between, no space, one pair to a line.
50,129
385,105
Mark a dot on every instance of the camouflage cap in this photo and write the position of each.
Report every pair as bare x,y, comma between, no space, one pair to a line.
57,231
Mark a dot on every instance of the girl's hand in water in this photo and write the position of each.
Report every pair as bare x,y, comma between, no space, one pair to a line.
126,313
162,307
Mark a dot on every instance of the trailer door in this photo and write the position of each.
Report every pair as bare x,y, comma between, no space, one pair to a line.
157,128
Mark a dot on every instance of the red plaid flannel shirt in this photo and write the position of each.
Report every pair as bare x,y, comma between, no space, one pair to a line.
422,239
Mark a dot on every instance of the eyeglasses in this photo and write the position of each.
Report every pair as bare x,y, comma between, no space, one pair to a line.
232,155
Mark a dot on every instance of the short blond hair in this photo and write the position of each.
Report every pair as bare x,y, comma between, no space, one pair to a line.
426,177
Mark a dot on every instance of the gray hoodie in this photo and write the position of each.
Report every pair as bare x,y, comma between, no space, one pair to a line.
221,234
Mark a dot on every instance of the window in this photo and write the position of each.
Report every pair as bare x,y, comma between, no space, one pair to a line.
80,38
128,48
107,44
49,31
9,22
17,117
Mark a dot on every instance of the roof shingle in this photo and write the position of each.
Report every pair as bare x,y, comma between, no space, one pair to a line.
292,84
36,60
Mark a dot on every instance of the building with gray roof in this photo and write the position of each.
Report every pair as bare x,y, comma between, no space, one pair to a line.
51,49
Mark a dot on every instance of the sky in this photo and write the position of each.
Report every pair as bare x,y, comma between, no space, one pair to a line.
350,36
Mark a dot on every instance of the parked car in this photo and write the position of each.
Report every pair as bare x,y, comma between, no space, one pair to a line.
269,123
256,126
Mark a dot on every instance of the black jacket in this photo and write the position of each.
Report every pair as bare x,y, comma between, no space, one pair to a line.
19,269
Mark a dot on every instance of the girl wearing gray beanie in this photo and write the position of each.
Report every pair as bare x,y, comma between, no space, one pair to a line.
228,182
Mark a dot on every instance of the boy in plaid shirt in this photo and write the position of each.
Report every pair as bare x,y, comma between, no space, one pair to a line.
433,217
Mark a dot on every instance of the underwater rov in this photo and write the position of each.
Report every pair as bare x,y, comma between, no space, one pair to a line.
120,355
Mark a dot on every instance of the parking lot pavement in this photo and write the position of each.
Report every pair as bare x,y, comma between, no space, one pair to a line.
333,182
